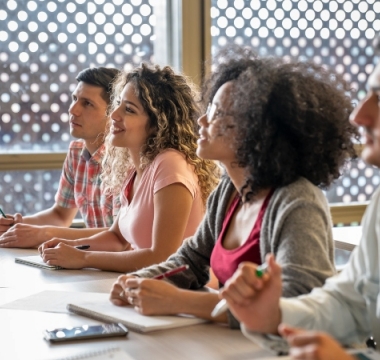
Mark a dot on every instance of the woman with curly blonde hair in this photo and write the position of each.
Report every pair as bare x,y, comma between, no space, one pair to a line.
151,162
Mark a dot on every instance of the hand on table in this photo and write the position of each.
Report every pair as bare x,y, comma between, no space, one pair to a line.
6,223
312,345
23,236
253,300
148,296
54,242
60,252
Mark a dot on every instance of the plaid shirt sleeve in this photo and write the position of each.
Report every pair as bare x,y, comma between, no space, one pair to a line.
65,193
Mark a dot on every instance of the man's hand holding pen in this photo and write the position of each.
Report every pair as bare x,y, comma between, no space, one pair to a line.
15,234
7,221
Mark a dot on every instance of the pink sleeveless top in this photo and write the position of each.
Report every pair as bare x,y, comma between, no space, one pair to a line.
136,218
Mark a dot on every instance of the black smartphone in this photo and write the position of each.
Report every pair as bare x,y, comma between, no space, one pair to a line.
85,332
275,344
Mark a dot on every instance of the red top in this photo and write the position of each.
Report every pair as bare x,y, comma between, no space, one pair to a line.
129,186
224,262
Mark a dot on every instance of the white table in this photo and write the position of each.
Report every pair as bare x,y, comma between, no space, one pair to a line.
21,330
21,338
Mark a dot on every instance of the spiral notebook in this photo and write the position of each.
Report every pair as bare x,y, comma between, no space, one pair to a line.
37,262
104,310
114,354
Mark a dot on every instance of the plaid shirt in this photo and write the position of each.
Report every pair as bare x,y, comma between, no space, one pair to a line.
79,187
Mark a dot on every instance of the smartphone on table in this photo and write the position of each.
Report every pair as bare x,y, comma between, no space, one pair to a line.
365,354
85,332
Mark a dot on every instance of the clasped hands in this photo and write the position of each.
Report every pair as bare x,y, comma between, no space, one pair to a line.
148,296
255,303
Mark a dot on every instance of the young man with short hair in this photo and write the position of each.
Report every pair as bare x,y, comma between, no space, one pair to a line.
79,187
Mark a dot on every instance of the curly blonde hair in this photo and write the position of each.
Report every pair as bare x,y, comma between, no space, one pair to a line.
169,100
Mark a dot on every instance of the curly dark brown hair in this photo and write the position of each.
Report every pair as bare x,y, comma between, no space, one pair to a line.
291,119
169,100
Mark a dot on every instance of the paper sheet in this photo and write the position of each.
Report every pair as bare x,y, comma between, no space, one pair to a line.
53,301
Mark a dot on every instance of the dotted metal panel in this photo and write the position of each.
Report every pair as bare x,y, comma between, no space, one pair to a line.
28,192
43,45
337,34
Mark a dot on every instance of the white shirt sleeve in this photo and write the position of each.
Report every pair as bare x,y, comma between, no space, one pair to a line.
348,305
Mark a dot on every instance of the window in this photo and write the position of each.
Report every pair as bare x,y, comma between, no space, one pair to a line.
44,44
336,33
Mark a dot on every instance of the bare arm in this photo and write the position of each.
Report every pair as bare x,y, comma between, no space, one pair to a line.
99,240
56,216
32,231
70,233
32,236
172,206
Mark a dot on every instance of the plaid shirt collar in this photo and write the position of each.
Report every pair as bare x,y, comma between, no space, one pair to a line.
96,156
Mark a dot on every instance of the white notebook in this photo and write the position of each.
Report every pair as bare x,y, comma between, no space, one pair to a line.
114,354
107,312
37,262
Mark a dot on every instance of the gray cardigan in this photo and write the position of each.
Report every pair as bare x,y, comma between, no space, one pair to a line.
296,228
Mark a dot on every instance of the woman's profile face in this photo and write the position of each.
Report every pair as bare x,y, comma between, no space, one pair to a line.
216,133
129,121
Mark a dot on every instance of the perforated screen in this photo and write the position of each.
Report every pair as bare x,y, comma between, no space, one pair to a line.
338,34
43,45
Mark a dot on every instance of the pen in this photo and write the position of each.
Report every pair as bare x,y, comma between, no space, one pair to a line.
82,247
261,270
2,213
222,305
171,272
166,275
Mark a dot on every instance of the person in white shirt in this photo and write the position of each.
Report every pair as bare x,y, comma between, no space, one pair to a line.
346,309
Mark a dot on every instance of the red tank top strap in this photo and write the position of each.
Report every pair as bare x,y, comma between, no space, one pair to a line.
128,188
231,210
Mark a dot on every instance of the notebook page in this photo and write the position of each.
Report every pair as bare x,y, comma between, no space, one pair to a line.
52,300
56,301
114,354
36,261
106,311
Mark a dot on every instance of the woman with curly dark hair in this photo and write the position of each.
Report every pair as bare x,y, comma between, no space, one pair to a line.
151,161
280,130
